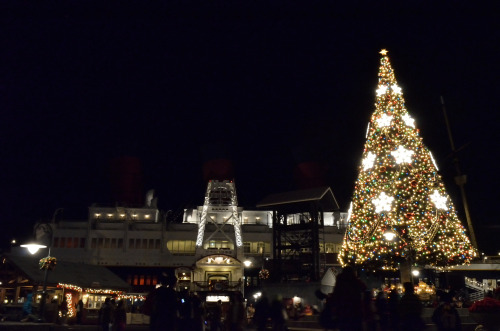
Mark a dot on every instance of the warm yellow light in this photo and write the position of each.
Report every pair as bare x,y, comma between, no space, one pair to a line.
33,247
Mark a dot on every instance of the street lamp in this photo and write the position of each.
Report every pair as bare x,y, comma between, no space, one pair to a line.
33,248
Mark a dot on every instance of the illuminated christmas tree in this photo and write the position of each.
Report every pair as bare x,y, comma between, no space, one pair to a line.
399,193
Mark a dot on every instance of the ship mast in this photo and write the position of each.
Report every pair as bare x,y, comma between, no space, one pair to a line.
460,179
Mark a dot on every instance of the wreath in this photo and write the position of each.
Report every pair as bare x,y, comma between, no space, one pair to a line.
264,274
48,263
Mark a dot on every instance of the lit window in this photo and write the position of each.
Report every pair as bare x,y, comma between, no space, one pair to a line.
246,247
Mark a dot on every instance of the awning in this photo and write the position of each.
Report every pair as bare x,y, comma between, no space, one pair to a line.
78,274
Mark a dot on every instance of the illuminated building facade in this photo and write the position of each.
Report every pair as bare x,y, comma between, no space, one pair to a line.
207,247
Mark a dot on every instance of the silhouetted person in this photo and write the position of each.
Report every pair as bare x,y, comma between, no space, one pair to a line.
347,300
52,311
63,308
278,314
393,303
216,320
165,306
120,316
369,316
261,312
79,311
410,310
250,313
106,315
236,316
446,316
28,309
196,312
327,317
382,311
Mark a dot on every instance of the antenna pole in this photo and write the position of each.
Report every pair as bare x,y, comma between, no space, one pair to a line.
460,179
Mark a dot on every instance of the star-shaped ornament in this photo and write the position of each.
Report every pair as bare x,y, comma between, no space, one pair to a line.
383,202
409,120
384,120
438,200
383,52
368,161
396,89
402,155
382,89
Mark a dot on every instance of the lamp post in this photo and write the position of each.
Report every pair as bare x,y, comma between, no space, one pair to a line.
33,248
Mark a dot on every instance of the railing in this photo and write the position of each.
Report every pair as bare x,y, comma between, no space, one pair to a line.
479,289
476,296
481,286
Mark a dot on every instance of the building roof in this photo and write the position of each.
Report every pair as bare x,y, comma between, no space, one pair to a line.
79,274
300,200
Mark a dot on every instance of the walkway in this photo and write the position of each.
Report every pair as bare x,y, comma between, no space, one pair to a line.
304,324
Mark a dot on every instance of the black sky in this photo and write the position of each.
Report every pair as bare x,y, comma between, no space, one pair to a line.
276,83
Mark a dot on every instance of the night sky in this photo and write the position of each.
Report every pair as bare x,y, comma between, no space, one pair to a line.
267,85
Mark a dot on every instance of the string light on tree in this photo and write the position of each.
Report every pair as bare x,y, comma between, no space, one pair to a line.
398,188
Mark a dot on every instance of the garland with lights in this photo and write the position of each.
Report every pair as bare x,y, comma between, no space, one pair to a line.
69,302
131,297
70,287
48,263
89,290
399,190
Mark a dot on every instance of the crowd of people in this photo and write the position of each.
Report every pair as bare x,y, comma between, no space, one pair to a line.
112,315
186,311
351,307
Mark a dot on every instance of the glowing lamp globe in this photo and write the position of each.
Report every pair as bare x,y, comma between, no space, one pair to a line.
33,247
389,235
